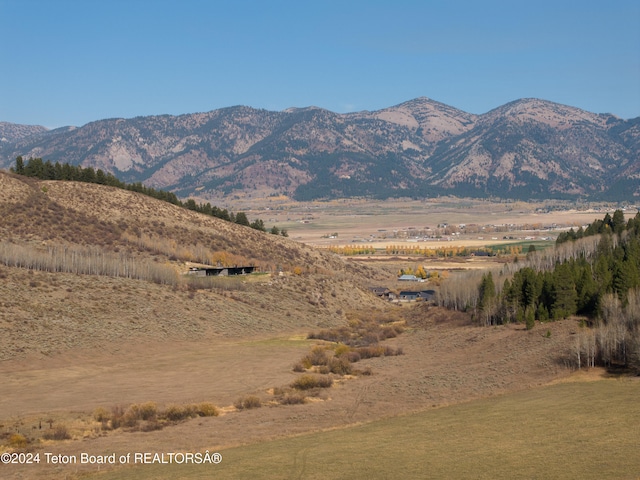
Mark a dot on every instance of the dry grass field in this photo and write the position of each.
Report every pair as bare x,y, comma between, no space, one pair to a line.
458,388
445,362
75,344
381,223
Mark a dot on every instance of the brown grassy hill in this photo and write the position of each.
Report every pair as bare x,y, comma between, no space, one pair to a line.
97,266
84,214
96,315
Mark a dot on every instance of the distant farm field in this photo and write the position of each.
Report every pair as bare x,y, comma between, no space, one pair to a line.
385,222
575,430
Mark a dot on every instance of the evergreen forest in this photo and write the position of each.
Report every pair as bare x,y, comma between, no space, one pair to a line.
595,274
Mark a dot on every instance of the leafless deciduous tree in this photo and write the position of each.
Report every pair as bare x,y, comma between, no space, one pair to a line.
618,331
86,261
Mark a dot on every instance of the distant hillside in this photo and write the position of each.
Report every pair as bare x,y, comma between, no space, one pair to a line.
75,213
86,265
529,148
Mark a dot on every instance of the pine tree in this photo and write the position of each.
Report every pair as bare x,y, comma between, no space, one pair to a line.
564,292
19,166
587,291
486,297
530,287
617,222
258,225
34,168
48,171
241,219
101,177
88,175
530,319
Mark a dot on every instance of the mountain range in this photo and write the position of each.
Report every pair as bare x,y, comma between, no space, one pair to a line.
526,149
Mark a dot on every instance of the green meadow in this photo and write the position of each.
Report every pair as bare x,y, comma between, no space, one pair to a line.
577,430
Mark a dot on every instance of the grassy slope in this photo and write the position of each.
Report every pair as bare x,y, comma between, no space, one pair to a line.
88,214
584,430
45,313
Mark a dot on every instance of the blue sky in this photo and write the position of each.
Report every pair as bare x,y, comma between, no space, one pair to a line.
69,62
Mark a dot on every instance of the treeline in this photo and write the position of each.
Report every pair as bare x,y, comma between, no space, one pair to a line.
449,251
46,170
351,250
86,261
575,285
419,272
609,224
81,260
417,250
436,252
602,285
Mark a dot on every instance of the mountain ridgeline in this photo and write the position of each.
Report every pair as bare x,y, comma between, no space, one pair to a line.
526,149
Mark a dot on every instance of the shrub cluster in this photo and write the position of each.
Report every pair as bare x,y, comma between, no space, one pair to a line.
248,402
308,382
176,413
373,351
147,416
293,398
317,356
360,333
60,432
206,409
359,340
17,441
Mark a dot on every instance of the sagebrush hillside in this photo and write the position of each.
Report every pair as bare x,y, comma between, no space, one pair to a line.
88,266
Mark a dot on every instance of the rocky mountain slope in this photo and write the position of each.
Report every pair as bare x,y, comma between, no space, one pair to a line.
10,132
529,148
